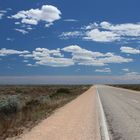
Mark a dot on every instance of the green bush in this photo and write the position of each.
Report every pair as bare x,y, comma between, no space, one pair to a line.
10,104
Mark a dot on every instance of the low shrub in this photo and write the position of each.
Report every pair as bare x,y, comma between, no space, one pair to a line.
11,104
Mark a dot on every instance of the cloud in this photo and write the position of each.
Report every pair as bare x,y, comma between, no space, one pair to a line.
129,50
29,21
73,34
126,29
126,70
2,13
115,59
105,70
48,25
132,74
22,31
45,51
25,61
101,36
55,62
70,20
29,28
78,51
90,26
78,56
17,23
47,13
86,57
108,32
53,58
10,39
5,52
30,65
9,9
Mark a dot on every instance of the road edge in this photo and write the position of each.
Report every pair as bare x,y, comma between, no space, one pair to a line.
103,123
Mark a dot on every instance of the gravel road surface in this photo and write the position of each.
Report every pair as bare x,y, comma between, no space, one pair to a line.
78,120
122,111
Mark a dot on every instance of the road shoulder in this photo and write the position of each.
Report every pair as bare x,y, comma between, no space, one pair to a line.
77,120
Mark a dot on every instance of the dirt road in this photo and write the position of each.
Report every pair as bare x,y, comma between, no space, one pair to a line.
78,120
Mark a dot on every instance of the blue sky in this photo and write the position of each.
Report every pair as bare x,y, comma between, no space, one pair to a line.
70,38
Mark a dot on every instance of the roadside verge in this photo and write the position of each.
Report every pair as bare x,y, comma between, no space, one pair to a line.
77,120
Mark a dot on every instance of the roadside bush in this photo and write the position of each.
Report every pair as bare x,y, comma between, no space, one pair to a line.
10,104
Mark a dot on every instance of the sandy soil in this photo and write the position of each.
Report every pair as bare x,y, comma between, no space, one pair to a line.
77,120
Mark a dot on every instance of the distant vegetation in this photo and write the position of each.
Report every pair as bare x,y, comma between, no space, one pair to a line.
129,86
24,106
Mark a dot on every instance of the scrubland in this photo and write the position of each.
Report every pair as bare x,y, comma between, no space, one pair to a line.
129,86
23,107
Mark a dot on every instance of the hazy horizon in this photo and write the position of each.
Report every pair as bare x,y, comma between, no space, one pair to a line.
56,80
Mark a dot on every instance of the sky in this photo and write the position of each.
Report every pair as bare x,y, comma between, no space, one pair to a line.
96,39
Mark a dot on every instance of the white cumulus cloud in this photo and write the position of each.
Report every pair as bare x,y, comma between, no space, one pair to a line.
101,36
126,29
129,50
47,14
57,58
5,52
53,58
108,32
85,57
